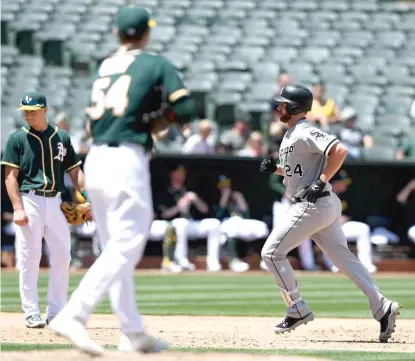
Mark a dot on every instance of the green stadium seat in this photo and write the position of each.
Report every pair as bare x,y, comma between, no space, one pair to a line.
259,92
166,21
10,7
377,25
365,6
317,24
256,109
323,15
315,55
407,22
179,60
400,89
95,26
89,37
207,76
303,5
250,54
384,140
393,125
372,61
7,20
356,38
215,57
358,16
399,74
192,30
274,5
301,71
162,33
324,38
245,77
200,90
379,51
78,8
169,11
8,55
391,39
397,104
182,47
225,39
263,14
253,40
334,5
213,4
238,4
237,65
405,57
72,18
347,25
221,107
23,35
234,86
367,89
265,70
334,73
365,122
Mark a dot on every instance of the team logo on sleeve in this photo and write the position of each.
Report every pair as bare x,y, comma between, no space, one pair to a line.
61,152
318,135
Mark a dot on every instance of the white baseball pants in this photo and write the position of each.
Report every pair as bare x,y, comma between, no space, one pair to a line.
245,229
119,189
319,222
47,221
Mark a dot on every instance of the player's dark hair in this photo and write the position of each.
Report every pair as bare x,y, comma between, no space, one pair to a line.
125,39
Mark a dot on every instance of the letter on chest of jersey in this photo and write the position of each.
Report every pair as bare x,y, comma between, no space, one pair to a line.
61,152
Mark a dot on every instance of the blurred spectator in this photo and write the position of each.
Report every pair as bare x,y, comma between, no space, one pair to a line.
283,80
237,136
407,149
406,197
201,143
276,134
221,148
350,135
324,110
255,146
79,137
169,141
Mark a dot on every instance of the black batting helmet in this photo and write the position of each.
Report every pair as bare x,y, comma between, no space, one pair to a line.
297,97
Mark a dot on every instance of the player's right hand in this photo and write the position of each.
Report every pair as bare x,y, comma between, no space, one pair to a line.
20,217
268,165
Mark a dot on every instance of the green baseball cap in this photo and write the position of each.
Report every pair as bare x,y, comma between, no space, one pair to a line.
33,101
132,20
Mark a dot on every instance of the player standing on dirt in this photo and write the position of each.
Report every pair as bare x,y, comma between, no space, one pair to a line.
130,96
36,158
309,158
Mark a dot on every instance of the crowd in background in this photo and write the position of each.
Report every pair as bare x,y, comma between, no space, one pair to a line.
205,137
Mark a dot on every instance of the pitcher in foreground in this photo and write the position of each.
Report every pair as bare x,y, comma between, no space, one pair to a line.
309,158
130,97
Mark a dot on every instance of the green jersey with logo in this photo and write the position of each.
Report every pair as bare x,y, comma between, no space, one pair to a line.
132,88
41,157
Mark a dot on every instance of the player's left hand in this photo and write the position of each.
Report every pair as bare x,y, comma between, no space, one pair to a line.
268,165
313,190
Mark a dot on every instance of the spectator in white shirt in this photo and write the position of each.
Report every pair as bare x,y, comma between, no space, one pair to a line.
201,143
255,146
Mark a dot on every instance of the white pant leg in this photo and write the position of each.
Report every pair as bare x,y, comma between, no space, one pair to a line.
158,230
245,229
118,185
411,233
209,228
361,232
29,252
181,225
58,241
279,209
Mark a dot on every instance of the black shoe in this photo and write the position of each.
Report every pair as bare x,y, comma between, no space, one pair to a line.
387,322
289,323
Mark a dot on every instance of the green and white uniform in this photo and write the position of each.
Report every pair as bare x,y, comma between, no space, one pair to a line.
42,159
131,87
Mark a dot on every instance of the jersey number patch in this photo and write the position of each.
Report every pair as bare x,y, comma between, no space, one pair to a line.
297,170
115,98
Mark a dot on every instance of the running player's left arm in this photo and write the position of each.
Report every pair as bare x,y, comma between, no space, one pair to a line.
72,166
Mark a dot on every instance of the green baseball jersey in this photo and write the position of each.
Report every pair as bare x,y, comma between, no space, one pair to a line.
132,87
42,157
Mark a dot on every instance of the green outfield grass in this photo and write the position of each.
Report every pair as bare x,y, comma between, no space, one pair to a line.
246,295
331,355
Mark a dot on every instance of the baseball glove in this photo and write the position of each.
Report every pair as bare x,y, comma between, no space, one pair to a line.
163,121
76,214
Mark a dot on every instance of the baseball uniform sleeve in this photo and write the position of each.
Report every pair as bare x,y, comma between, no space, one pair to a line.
172,82
319,141
71,160
11,155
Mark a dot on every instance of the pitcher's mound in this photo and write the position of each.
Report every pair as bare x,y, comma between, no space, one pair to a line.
73,355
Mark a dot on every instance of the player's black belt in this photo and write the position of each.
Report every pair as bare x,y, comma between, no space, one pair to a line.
38,192
321,195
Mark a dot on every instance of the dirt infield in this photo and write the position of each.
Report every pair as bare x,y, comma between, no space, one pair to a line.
231,332
168,356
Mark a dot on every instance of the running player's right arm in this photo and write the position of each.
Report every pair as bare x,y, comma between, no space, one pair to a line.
178,96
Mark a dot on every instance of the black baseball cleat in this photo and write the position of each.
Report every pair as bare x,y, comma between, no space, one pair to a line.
289,324
387,322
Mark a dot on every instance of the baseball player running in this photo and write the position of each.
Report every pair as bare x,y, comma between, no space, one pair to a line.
130,95
308,160
36,158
